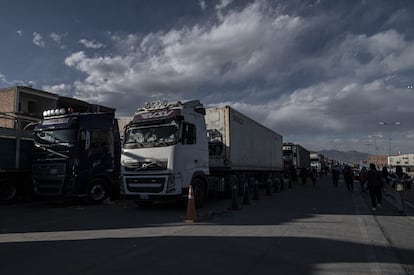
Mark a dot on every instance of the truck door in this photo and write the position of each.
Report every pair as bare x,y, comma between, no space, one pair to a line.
101,153
97,155
189,157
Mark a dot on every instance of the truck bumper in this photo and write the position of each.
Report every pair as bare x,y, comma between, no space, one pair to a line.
151,187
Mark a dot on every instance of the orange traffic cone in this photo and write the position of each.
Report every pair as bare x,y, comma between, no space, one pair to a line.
191,210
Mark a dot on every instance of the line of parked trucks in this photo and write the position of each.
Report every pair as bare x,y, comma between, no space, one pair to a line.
166,146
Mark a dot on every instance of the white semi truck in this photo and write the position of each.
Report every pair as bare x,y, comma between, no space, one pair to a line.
168,146
316,161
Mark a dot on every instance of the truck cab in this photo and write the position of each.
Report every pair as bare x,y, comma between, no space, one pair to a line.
164,151
76,155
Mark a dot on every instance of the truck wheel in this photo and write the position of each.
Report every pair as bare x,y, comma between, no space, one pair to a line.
8,192
97,191
199,192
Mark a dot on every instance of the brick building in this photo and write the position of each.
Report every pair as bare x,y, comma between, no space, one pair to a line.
379,160
24,104
20,105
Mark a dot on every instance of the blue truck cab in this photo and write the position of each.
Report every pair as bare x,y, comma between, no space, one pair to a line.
76,155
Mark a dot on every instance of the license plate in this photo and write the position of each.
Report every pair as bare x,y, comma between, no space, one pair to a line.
53,171
144,197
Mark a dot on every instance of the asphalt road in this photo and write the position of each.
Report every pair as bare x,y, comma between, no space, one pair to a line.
304,230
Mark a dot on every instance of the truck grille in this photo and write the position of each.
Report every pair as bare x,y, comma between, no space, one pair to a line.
145,185
49,169
48,187
145,166
49,178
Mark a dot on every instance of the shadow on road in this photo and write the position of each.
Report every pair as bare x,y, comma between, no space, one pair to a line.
200,255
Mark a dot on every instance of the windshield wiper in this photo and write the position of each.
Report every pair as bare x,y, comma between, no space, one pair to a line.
155,163
137,143
55,138
164,143
50,150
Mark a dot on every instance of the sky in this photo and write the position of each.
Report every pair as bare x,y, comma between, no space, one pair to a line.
321,73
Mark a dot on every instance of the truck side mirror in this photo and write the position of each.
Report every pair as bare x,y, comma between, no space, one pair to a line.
200,109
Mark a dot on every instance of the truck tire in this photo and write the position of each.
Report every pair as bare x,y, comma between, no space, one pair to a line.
199,192
97,191
8,192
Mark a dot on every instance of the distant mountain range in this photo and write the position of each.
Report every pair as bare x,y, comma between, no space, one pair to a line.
349,156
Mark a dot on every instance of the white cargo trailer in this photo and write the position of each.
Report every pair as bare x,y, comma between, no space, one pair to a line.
239,143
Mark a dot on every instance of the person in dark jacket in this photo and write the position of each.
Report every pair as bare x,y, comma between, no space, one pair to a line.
385,177
374,181
335,175
363,178
303,175
385,174
314,176
349,178
293,176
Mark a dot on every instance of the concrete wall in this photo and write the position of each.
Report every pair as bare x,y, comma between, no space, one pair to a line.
403,160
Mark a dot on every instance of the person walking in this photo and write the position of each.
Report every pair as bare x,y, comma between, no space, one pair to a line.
363,178
293,176
374,182
349,178
314,176
384,174
335,175
303,175
400,182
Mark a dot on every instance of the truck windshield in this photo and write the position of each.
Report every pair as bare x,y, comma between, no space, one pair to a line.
151,136
56,136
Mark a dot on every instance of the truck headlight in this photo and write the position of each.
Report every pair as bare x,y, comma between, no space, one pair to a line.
75,169
171,184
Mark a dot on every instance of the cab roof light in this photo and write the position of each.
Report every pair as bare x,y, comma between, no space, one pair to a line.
159,104
155,105
54,112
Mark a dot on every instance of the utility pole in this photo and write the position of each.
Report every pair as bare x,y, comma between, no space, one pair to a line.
368,145
376,147
389,124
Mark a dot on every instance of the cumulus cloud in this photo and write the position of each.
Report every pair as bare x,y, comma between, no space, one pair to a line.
3,78
223,4
59,38
60,89
56,37
91,44
38,40
180,61
6,82
266,62
203,5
